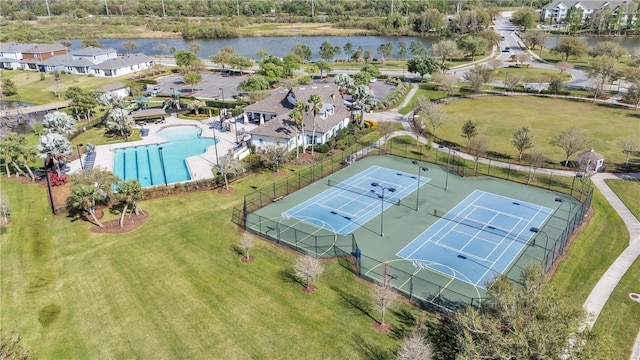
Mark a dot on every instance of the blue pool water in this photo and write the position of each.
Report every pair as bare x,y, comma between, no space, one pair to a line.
145,162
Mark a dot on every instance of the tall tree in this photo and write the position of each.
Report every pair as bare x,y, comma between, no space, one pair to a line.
82,102
54,149
129,193
445,50
417,48
422,65
536,161
431,114
223,56
530,321
327,51
629,145
473,45
343,82
185,58
525,18
383,295
297,117
303,51
415,347
385,50
240,62
570,46
574,18
601,72
403,50
121,122
608,48
469,130
522,140
477,77
315,105
192,78
324,67
308,268
130,46
58,122
570,141
535,38
90,188
348,49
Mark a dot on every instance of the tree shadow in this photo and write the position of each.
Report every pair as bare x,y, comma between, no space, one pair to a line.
404,324
354,301
287,276
371,350
442,333
238,250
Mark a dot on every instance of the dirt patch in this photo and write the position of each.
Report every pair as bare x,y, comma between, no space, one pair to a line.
382,328
279,173
223,191
245,259
309,289
113,226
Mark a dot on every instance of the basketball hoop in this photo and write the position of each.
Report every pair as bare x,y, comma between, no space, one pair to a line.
285,215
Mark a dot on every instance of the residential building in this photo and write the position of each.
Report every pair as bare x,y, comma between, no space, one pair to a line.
277,129
32,56
116,87
556,11
123,65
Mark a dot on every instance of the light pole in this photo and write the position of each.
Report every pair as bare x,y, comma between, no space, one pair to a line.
164,173
538,230
420,170
222,89
215,145
561,201
390,189
79,156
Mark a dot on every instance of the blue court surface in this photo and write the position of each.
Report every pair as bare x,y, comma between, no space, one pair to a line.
478,239
348,205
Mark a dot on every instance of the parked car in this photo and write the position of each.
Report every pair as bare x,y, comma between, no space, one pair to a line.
154,90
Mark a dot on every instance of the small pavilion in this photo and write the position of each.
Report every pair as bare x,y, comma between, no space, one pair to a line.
591,162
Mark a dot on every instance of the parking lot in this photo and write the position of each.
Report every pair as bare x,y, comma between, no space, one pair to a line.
213,86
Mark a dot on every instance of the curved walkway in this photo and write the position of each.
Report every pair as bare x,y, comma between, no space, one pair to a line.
602,291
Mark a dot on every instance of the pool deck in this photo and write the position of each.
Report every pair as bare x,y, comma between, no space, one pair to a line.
199,166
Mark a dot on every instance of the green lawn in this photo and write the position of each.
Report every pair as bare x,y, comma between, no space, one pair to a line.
33,90
621,317
175,288
499,117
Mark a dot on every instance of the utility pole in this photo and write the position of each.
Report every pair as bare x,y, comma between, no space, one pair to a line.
164,13
106,7
48,11
312,9
391,8
237,7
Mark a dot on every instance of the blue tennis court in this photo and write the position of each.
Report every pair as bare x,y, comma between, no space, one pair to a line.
348,205
477,239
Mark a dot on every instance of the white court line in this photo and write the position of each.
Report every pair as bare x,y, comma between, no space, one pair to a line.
513,259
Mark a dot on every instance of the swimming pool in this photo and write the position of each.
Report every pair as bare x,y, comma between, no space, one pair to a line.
145,162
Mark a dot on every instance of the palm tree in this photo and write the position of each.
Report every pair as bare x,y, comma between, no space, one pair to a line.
363,98
84,197
129,193
316,105
297,116
54,148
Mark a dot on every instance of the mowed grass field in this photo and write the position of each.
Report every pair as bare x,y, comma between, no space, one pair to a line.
175,288
498,117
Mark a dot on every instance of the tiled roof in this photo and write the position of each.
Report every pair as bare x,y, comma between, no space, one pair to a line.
121,62
148,112
590,156
14,47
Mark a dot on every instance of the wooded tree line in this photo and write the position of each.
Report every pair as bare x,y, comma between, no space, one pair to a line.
22,8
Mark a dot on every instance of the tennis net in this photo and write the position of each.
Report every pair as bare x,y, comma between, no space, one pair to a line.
477,225
370,193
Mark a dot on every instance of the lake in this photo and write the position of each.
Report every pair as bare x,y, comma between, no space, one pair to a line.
280,46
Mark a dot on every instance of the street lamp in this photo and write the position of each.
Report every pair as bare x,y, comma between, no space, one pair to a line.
164,173
222,89
390,189
79,156
420,170
446,180
538,230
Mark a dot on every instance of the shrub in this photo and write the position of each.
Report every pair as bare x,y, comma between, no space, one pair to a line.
322,148
57,180
252,158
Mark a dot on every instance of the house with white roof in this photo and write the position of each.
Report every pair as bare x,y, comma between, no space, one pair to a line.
123,65
11,55
276,128
95,55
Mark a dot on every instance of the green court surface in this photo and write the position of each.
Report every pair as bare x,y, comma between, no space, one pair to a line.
403,223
